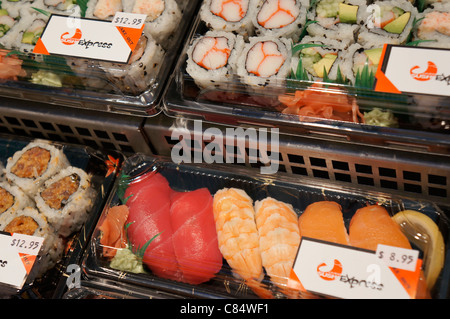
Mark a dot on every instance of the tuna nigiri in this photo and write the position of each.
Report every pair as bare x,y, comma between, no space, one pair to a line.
324,220
149,206
372,225
194,238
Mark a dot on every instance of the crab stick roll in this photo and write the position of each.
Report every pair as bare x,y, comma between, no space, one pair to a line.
433,26
337,19
12,199
321,58
229,15
29,221
212,58
142,68
388,20
264,61
66,199
163,16
280,18
30,167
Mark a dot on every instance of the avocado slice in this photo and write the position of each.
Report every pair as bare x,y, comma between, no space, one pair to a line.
374,55
398,25
347,13
312,54
28,37
324,64
3,12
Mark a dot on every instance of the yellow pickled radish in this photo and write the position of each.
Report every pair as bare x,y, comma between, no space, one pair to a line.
430,241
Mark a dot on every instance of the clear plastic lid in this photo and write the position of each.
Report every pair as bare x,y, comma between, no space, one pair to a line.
72,74
72,184
320,74
204,232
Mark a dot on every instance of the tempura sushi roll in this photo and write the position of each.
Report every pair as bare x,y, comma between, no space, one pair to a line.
280,18
12,199
66,199
265,61
321,58
433,26
34,164
212,58
337,19
142,68
235,16
390,20
29,221
163,17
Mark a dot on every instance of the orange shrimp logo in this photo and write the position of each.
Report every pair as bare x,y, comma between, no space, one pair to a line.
332,274
428,74
69,40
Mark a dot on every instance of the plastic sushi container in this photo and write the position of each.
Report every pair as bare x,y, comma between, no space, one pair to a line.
52,195
47,51
293,86
205,232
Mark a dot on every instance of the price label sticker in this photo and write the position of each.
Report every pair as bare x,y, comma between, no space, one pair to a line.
396,257
129,20
26,244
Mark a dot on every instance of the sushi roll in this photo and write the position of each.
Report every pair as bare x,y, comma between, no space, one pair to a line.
388,20
321,58
103,9
361,59
30,167
66,199
163,16
6,22
29,221
212,58
231,16
280,18
337,19
433,26
12,199
265,61
141,70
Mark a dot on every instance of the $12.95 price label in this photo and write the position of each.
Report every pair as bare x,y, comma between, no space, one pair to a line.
26,244
396,257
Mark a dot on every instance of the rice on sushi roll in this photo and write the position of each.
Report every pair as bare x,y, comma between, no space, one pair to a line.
434,24
265,61
29,221
163,16
141,70
337,19
212,58
359,58
66,199
388,20
30,167
12,199
320,58
231,16
280,18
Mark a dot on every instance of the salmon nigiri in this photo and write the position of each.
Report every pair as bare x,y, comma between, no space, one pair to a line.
279,238
372,225
324,220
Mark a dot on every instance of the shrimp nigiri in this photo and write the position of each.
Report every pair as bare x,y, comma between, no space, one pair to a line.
238,237
279,237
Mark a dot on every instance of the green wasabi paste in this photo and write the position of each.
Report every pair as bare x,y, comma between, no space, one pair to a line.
379,117
46,78
125,260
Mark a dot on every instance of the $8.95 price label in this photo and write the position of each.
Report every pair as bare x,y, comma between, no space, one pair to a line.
398,257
